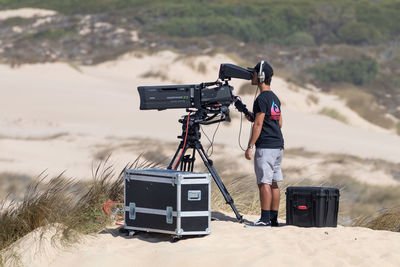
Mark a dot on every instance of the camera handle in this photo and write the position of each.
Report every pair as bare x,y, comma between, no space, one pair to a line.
242,107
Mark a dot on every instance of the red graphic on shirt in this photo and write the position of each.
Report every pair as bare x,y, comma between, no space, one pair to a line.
275,112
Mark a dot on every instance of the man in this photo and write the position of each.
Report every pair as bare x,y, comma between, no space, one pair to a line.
266,137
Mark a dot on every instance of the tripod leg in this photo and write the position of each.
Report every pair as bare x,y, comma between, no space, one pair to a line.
218,181
184,163
192,160
174,158
180,160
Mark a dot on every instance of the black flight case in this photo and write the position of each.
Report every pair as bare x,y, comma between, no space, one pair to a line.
167,201
312,206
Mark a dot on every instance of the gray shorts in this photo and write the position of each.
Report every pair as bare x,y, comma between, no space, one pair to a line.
267,165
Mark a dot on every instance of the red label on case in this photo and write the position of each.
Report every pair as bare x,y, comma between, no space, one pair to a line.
302,207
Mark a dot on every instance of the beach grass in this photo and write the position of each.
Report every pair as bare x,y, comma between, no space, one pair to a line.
387,219
73,207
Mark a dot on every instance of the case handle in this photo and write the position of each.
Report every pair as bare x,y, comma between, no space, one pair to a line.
194,195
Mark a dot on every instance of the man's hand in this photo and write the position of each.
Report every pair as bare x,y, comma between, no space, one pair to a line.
248,154
248,117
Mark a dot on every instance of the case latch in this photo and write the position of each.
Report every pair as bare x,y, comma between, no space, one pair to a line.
169,215
132,211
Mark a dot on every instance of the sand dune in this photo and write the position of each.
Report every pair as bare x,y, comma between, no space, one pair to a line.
85,105
230,244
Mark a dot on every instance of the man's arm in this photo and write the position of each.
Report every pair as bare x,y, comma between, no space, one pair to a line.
257,126
255,133
280,121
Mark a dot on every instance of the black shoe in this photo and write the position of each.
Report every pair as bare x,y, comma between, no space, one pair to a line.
259,224
274,223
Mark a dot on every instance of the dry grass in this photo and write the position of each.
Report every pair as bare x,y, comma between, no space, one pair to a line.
156,156
74,207
365,105
398,128
202,68
312,99
190,60
333,113
388,219
155,74
247,89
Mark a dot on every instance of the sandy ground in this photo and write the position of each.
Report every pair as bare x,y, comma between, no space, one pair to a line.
56,117
25,13
230,244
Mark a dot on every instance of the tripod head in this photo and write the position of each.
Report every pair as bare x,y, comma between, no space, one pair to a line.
203,116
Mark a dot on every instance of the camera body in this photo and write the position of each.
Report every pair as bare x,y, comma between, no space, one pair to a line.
209,95
205,95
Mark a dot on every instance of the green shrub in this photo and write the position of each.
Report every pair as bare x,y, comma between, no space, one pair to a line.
16,21
54,34
301,39
384,16
267,21
356,71
358,33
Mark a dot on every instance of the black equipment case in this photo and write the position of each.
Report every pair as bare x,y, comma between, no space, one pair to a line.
167,201
312,206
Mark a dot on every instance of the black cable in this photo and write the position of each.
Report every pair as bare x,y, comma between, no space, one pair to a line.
212,141
209,140
201,128
241,122
240,131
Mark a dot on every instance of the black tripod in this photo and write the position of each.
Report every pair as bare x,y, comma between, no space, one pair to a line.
191,139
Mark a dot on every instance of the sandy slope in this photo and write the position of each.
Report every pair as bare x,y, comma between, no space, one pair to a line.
230,244
86,105
25,13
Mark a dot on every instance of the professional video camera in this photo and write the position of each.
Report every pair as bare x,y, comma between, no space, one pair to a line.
210,96
206,103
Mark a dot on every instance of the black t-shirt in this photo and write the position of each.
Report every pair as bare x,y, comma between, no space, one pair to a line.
271,135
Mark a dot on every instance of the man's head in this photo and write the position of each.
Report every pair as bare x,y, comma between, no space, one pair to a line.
262,73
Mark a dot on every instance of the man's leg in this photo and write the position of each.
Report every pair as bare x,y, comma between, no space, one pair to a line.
263,167
276,194
276,197
265,196
265,201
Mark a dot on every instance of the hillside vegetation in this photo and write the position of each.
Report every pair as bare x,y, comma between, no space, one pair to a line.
289,22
